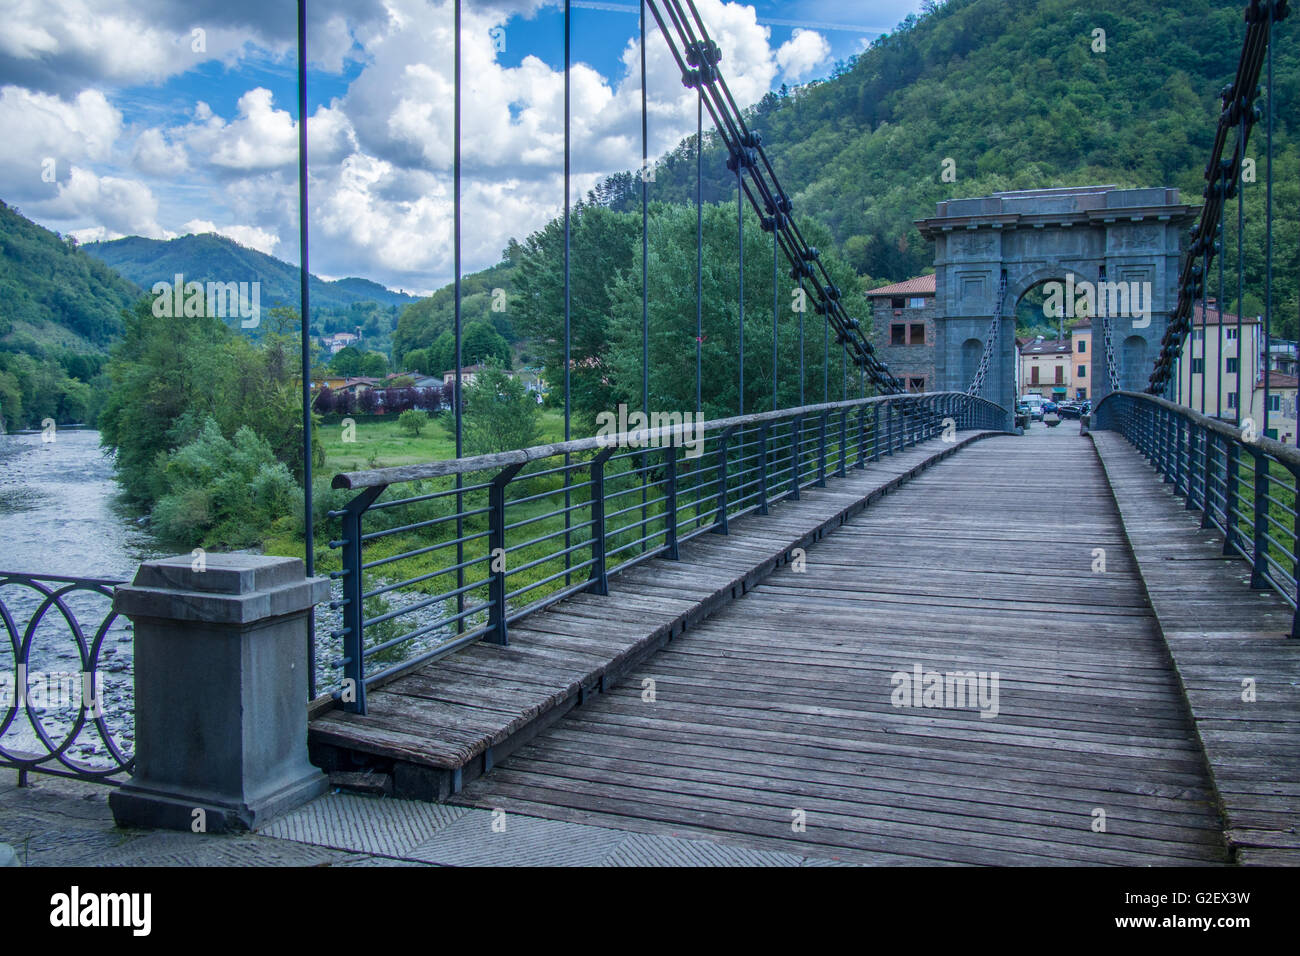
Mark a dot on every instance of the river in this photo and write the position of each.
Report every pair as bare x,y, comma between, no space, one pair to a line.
60,515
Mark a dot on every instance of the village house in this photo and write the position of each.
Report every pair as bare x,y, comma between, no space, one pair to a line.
1044,367
903,329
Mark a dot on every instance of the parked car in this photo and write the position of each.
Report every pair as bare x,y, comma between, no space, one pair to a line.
1049,407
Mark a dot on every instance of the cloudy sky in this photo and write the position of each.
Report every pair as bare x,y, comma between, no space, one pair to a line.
165,117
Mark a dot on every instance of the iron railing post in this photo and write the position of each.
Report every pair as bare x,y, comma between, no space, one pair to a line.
862,437
844,442
1171,448
720,525
796,456
354,614
1207,477
1295,549
599,577
1230,498
821,449
762,468
496,632
1259,566
670,504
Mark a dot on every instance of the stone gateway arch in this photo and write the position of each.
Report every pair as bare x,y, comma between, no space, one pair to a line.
1117,249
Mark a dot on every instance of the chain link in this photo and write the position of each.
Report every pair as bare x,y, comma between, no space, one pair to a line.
977,384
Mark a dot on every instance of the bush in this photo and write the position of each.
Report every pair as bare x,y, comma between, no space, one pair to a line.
223,493
412,421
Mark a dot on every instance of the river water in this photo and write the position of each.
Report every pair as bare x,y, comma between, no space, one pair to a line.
60,515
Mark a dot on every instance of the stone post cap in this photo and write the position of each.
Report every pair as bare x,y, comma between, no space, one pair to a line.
230,589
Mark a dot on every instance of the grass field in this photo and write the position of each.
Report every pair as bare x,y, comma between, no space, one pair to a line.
382,444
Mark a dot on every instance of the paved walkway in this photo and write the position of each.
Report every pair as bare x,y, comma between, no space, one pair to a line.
67,823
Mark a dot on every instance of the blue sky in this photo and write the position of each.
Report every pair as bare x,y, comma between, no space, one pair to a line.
172,117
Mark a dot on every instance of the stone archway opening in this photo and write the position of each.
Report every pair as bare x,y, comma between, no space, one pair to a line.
992,252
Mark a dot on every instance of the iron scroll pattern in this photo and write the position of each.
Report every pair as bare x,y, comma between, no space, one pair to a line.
56,722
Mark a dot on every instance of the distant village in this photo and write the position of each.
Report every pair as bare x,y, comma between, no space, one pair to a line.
399,391
1060,369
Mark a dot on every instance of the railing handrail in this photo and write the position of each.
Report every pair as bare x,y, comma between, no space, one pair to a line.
1282,453
60,579
373,478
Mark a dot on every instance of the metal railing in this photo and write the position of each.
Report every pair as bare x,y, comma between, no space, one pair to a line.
54,719
1243,484
543,523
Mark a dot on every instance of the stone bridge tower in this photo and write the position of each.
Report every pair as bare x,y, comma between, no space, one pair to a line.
1094,234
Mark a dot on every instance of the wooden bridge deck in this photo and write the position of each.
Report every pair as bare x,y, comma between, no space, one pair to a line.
1219,633
447,722
777,708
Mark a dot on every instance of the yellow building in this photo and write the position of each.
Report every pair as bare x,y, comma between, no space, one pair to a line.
1081,342
1215,367
1044,368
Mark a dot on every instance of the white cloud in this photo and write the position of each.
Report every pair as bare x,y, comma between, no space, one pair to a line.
388,206
262,240
804,52
261,138
155,156
62,45
122,206
34,125
381,153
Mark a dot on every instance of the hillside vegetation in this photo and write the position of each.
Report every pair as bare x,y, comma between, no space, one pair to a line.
1014,94
59,310
338,306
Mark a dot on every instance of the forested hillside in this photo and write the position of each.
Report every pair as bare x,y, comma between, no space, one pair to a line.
59,310
339,306
1014,94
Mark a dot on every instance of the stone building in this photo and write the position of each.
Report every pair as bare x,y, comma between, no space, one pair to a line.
903,330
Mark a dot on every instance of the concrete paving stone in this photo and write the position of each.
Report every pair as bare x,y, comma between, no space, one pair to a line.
66,846
645,849
165,848
825,861
377,825
525,841
359,859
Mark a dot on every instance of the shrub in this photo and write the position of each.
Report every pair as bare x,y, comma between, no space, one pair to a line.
412,421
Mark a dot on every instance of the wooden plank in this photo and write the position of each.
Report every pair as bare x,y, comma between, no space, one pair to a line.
1218,632
782,699
558,654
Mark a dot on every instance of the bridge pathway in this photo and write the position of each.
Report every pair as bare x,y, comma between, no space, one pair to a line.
781,701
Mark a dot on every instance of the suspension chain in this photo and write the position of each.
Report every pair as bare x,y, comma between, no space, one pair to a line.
1108,344
977,384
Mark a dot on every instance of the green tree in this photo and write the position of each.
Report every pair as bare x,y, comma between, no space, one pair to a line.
168,377
412,421
482,344
499,414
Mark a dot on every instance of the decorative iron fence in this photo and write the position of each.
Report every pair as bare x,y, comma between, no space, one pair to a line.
65,701
1242,483
472,545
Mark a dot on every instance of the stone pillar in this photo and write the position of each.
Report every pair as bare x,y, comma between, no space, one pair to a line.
220,692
